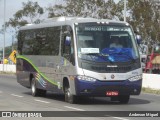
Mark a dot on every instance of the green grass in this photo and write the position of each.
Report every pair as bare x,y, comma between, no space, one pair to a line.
150,90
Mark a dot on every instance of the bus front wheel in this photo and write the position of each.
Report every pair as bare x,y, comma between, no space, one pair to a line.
69,97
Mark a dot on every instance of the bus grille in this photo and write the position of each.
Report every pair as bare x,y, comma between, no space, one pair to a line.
112,69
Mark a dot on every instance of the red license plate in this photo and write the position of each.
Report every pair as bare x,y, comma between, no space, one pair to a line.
112,93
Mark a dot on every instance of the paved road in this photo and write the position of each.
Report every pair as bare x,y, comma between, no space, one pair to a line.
14,97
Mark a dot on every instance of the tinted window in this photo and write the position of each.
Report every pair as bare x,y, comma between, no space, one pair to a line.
43,41
29,43
68,50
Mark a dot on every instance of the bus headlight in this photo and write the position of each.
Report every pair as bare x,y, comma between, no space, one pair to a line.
86,78
135,78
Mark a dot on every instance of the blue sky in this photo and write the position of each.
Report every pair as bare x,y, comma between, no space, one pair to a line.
11,7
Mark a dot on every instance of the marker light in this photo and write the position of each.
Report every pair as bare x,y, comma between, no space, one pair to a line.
135,78
86,78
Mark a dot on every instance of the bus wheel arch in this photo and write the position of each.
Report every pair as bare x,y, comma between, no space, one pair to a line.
30,79
34,90
65,83
69,97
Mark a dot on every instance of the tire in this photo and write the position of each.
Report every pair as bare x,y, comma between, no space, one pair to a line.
69,97
35,91
124,99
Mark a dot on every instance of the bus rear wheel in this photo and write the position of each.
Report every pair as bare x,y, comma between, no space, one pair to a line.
69,97
35,91
124,99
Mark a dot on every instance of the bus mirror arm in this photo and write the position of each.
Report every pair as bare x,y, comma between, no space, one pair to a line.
68,41
139,39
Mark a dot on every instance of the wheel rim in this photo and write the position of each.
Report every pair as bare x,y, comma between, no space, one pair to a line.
33,87
67,95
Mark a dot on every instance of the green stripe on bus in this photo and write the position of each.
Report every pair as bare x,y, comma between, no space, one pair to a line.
39,72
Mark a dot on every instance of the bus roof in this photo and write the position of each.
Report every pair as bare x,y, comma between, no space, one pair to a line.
60,21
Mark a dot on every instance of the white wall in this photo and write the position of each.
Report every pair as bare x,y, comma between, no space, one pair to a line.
8,68
151,81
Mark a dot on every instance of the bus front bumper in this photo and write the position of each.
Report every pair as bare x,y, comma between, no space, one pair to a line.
100,88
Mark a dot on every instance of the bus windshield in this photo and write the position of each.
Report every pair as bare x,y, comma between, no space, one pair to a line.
105,42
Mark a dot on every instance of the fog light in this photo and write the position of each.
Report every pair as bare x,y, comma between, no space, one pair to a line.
135,90
86,90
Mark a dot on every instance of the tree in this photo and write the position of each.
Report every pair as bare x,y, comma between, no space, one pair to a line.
30,13
156,21
8,51
86,8
144,17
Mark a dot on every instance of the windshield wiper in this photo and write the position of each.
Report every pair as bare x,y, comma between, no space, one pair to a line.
99,54
131,58
119,53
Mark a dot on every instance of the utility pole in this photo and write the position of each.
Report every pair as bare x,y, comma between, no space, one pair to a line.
124,10
12,42
4,33
12,39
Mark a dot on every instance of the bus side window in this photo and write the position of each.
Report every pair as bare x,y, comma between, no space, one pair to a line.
20,42
68,50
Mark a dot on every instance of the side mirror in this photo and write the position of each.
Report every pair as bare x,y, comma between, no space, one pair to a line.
139,39
68,41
